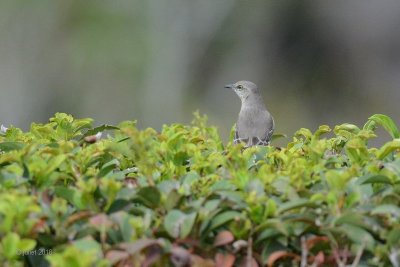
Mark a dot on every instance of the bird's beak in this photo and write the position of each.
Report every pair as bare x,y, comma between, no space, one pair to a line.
228,86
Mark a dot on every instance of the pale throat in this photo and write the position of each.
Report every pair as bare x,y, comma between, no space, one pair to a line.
251,100
242,95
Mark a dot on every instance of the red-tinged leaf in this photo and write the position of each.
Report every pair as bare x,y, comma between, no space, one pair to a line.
100,220
197,261
46,198
319,259
115,256
39,226
134,247
223,238
153,254
278,255
342,253
252,264
80,215
188,241
180,257
92,138
224,260
130,182
316,239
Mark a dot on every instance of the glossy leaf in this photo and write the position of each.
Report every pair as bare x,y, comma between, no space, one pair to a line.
149,196
179,224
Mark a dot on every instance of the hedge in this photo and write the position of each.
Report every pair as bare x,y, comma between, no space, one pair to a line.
181,197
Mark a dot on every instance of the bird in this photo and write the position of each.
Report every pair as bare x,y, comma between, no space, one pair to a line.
255,125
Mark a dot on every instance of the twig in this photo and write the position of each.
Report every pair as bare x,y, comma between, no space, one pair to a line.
393,257
336,256
346,254
359,254
304,252
249,260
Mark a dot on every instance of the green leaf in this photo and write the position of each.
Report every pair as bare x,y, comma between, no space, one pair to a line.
81,124
223,185
271,208
64,192
357,150
266,234
71,256
277,136
26,244
108,167
346,127
9,146
117,205
388,148
223,218
335,180
172,200
295,204
179,224
232,132
54,163
150,196
306,133
376,179
393,237
386,122
232,196
71,195
100,128
88,244
10,244
387,209
352,218
323,129
358,235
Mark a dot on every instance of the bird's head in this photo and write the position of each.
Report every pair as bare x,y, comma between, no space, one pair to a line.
243,89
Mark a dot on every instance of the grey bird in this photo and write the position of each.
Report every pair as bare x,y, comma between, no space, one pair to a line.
255,125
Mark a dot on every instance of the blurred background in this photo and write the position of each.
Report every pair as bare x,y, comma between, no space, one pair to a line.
317,62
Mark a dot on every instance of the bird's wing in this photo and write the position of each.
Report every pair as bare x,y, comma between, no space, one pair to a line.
268,136
271,132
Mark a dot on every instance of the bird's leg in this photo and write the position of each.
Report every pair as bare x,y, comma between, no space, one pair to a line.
239,140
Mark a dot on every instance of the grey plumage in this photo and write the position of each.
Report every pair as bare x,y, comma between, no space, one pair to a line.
255,125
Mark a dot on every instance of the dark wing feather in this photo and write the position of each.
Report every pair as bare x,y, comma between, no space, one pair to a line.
268,138
265,141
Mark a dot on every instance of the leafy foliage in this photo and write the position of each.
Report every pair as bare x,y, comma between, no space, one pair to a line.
179,197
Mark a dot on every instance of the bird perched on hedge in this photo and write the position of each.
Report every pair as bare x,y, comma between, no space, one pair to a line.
255,124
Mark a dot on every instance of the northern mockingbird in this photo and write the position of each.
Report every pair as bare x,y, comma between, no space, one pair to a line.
255,125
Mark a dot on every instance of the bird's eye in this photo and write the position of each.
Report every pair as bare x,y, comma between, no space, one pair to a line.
240,86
